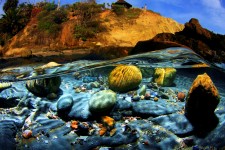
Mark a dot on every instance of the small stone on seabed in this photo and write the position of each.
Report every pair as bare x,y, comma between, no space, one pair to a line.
27,134
181,96
156,99
136,98
147,96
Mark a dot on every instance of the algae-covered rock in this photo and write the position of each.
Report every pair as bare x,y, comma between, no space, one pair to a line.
164,76
102,102
124,78
5,85
43,87
202,100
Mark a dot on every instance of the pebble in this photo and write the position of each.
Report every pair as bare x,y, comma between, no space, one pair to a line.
136,98
46,141
27,134
77,90
156,99
142,97
153,94
82,89
128,99
181,96
147,96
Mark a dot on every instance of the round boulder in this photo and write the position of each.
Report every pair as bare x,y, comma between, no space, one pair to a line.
102,102
124,78
64,105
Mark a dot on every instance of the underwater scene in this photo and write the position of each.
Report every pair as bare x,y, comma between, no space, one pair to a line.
165,99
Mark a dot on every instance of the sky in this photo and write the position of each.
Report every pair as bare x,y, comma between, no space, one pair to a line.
210,13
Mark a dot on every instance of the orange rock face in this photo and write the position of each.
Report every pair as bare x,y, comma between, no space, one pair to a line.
206,83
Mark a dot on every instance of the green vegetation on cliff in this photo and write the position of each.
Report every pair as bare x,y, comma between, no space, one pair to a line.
88,19
15,19
50,19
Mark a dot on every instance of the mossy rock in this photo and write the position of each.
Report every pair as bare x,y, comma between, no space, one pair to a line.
102,102
164,76
124,78
43,87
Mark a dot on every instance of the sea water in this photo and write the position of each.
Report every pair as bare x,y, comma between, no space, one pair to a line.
139,123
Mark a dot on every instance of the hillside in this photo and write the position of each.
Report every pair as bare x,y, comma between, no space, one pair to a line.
119,31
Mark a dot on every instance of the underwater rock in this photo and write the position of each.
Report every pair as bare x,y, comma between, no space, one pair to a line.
64,105
176,123
5,85
102,102
201,102
124,78
148,108
49,65
8,131
43,87
80,109
164,76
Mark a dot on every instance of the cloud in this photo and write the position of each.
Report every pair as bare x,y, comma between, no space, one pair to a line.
215,4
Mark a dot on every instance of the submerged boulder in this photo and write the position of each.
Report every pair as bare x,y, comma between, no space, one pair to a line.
164,76
102,102
43,87
202,100
64,105
124,78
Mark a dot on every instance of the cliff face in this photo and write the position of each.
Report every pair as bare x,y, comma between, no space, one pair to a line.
209,45
119,32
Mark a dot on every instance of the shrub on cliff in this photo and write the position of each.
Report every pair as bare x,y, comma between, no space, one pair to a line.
50,21
118,9
15,19
88,21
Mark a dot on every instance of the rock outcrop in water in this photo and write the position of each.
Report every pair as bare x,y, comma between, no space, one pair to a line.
201,103
164,76
204,42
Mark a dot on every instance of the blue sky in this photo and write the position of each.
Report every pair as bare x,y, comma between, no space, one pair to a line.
210,13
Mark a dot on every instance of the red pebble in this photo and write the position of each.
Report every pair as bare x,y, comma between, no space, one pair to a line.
27,134
181,96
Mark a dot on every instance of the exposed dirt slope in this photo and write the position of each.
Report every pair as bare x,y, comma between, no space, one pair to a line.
120,32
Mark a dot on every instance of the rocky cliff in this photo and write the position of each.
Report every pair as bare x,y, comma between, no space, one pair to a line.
209,45
120,32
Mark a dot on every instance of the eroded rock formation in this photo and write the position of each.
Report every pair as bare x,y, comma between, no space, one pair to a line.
209,45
